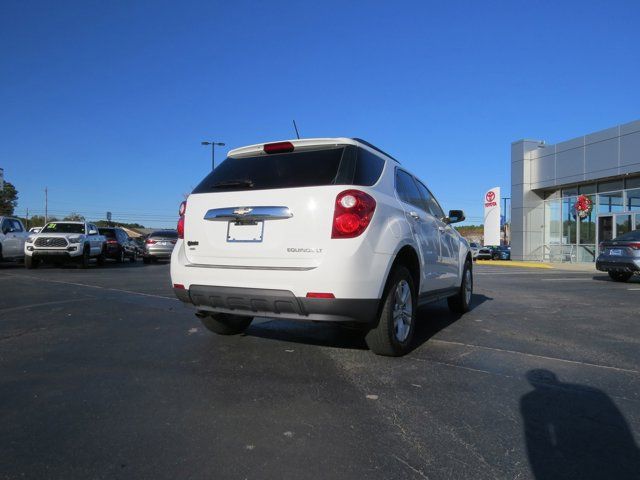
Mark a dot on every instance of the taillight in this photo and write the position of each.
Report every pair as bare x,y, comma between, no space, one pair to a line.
181,211
278,147
112,241
352,214
634,245
320,295
148,241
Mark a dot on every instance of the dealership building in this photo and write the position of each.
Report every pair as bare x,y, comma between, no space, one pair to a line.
568,197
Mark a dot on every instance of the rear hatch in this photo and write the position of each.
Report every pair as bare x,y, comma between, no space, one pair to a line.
271,210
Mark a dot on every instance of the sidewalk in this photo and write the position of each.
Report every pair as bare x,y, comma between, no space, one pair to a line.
572,267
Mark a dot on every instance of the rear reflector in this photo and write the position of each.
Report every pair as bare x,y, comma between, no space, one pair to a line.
148,241
278,147
180,227
179,286
320,295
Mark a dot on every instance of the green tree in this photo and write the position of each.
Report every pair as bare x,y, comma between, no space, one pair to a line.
38,221
8,199
73,217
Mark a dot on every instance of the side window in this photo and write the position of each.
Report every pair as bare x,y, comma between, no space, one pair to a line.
431,203
17,226
407,190
5,226
368,168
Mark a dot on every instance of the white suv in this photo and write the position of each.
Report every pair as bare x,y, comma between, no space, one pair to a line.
325,230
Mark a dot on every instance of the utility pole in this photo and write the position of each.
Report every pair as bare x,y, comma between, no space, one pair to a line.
46,205
213,146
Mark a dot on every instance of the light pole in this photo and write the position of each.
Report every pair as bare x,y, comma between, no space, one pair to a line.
213,149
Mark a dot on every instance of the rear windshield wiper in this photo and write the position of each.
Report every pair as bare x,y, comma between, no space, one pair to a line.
233,183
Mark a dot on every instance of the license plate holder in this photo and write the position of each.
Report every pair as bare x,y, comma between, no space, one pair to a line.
245,232
615,252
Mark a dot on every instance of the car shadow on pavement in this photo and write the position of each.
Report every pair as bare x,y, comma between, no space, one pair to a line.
575,431
635,280
430,320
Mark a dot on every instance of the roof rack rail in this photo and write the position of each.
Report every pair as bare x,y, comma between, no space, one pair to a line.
364,142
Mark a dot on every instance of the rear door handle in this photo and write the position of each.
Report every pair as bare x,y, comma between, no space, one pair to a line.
441,229
414,215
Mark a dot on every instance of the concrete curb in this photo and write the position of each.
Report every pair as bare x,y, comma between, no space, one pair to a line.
514,263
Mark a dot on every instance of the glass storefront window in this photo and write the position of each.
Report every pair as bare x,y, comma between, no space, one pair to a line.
587,189
569,225
633,182
610,202
610,186
633,200
623,224
553,223
569,192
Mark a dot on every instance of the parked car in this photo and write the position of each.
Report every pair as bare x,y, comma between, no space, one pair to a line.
159,245
60,242
324,230
501,252
620,257
484,253
118,246
475,248
12,238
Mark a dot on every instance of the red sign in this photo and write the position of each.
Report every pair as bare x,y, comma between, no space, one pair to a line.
491,196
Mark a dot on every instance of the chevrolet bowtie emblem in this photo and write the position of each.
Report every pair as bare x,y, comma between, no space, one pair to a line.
242,211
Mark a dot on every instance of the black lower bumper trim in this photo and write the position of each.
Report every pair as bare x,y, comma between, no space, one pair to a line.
278,304
620,266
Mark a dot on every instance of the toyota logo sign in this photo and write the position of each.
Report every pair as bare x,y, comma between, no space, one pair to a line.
491,196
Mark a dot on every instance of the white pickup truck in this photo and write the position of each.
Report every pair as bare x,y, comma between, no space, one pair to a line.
12,238
60,242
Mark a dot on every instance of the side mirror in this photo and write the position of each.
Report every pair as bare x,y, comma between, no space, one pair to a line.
93,232
455,216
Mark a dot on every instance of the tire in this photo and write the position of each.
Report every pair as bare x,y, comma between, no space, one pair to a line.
31,262
120,258
146,260
393,334
101,258
86,257
620,276
224,323
133,258
461,301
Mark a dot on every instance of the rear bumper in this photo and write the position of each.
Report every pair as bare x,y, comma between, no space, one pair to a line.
621,264
157,253
259,302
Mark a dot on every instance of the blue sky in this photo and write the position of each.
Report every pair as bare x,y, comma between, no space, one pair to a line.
106,103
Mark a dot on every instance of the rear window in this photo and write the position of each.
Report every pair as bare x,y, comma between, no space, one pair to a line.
107,232
345,165
629,237
165,234
57,227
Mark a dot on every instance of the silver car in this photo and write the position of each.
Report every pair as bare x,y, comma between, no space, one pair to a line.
159,245
620,257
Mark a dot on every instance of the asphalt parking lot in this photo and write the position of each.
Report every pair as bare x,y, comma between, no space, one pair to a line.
103,374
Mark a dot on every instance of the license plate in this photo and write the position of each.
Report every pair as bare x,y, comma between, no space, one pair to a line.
615,252
245,232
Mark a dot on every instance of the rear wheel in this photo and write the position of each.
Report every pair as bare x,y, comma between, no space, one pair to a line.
393,335
146,260
133,257
31,262
224,323
120,258
620,276
461,301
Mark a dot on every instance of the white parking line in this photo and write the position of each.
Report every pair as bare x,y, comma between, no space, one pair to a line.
94,286
567,279
46,304
632,289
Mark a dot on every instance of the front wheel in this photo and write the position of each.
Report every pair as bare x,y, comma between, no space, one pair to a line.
224,323
620,276
461,301
85,259
393,335
133,258
31,262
